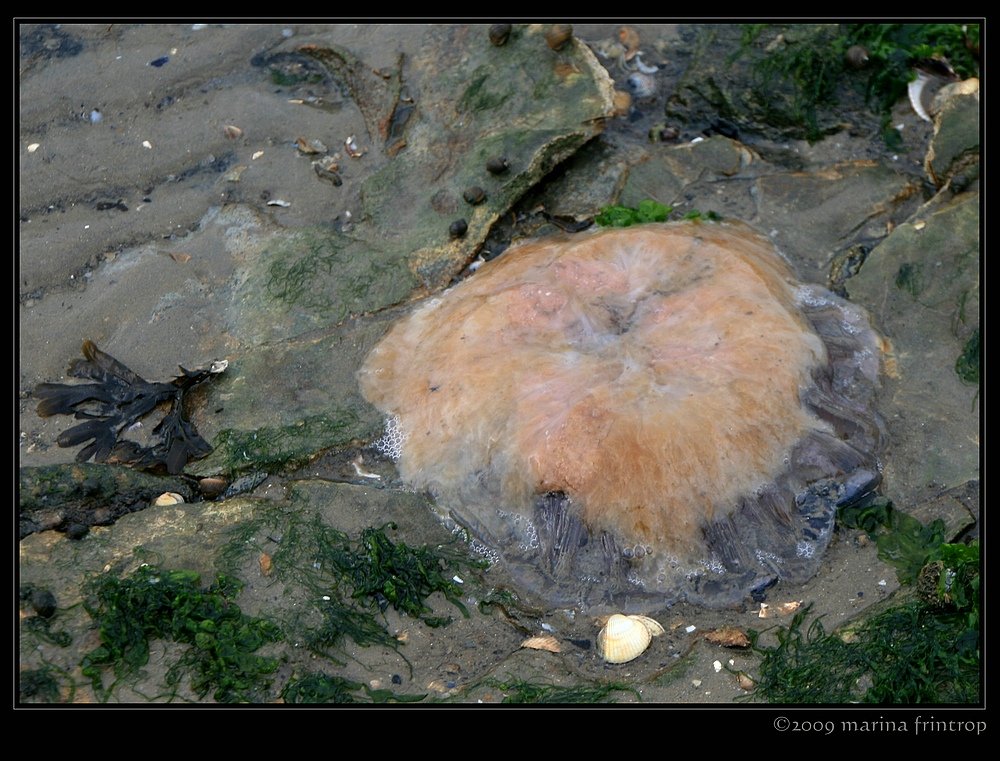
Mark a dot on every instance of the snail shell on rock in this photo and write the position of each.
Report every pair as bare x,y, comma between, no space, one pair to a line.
499,34
558,35
625,638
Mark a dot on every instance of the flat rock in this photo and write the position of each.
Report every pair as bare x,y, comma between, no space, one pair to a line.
955,146
922,285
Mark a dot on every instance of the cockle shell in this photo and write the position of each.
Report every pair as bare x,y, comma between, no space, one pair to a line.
168,498
625,638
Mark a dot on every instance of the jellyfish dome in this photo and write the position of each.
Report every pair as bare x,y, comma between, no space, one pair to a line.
628,418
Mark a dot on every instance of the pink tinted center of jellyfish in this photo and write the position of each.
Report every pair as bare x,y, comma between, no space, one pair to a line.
651,374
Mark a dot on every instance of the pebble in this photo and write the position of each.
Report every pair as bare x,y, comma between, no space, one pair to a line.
44,603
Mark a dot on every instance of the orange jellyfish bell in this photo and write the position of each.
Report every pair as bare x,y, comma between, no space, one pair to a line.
631,417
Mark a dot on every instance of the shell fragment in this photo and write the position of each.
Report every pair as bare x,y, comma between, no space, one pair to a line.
783,609
542,642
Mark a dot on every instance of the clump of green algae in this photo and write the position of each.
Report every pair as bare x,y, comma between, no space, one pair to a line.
43,685
153,603
349,582
273,448
812,59
926,650
358,579
648,210
967,364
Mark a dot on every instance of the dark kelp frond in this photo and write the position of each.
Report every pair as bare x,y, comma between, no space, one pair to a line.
118,399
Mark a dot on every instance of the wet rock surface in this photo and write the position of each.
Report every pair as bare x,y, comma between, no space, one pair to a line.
724,88
922,284
199,267
71,498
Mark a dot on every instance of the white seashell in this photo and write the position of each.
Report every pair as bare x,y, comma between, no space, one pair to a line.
168,498
625,638
644,68
655,627
915,90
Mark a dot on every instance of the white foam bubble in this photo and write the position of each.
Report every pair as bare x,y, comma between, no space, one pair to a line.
391,443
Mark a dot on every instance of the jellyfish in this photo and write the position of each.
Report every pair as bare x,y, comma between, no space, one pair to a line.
628,418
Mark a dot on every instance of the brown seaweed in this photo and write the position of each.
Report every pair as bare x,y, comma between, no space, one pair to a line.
118,399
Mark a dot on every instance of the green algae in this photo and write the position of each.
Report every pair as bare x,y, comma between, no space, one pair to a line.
45,685
803,73
647,211
892,49
811,60
42,629
903,541
403,576
910,653
625,216
375,570
484,93
909,278
323,688
331,276
273,448
220,642
923,650
523,691
350,582
967,364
